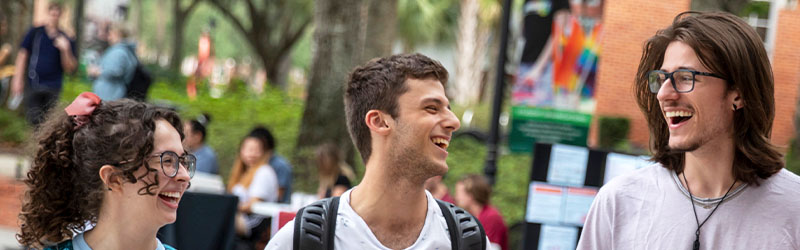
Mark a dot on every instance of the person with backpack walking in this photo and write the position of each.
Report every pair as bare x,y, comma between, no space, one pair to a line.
117,66
400,120
45,54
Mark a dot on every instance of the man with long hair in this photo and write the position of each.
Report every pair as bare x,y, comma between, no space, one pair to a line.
705,86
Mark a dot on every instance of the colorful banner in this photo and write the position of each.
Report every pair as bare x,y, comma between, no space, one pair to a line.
562,74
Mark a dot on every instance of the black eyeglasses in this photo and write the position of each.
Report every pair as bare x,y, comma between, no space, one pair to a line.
682,80
171,162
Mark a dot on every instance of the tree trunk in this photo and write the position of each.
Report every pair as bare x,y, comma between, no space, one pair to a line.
471,47
176,58
178,23
78,23
381,28
337,22
160,30
18,15
277,71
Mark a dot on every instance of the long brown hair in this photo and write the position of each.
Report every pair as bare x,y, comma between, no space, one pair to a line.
64,188
330,165
241,173
727,46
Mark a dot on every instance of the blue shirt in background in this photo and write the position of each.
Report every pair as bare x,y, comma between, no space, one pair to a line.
48,70
116,71
284,172
206,160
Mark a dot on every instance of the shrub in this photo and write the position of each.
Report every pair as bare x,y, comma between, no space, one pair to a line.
613,131
13,128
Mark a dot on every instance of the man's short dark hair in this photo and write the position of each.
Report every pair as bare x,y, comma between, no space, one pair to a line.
199,124
377,85
729,47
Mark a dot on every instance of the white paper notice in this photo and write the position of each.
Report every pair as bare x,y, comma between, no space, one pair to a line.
567,165
558,238
577,205
619,164
544,203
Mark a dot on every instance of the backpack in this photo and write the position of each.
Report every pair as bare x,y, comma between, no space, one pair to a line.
313,228
140,82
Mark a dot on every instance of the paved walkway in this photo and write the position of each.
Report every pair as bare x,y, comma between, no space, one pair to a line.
13,166
8,241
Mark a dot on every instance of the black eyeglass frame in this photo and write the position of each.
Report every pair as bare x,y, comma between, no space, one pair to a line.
182,160
672,80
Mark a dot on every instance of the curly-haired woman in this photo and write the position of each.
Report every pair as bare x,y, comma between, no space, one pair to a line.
117,165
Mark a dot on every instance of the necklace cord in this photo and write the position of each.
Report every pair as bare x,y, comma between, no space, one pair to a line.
699,225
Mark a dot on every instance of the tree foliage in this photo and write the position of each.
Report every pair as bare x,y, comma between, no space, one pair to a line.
270,27
426,21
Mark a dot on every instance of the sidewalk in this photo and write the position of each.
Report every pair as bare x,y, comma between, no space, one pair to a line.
12,165
8,241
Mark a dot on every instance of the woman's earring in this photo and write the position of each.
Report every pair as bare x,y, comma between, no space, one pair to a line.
734,107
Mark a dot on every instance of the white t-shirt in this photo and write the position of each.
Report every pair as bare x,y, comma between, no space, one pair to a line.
263,186
650,209
353,233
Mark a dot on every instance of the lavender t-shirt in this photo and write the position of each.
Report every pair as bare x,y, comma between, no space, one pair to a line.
650,209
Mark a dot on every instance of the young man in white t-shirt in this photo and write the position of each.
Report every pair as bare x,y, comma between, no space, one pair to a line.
400,120
705,86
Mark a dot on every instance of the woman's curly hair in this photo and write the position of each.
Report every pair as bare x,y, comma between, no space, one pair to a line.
64,188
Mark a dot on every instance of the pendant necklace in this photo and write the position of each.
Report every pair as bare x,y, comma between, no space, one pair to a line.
696,245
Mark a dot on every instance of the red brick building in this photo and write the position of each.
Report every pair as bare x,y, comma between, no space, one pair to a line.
628,23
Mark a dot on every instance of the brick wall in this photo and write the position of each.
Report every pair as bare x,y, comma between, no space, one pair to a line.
786,70
11,192
628,23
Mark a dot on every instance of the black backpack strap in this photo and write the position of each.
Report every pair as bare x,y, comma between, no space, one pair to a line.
315,225
297,226
451,224
466,232
333,211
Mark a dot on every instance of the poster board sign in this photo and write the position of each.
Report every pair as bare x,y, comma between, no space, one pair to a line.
531,125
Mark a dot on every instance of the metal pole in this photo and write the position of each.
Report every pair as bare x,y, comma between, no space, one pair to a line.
490,169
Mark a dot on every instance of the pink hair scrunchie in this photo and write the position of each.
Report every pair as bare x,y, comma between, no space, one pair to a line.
82,107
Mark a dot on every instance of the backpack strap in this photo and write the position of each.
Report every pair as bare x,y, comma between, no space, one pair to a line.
315,225
466,232
33,60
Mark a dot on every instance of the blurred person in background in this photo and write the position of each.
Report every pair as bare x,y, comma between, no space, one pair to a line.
473,193
438,189
335,176
195,143
117,65
6,71
45,54
252,180
116,169
5,48
281,166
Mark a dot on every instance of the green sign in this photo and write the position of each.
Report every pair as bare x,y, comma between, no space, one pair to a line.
530,125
